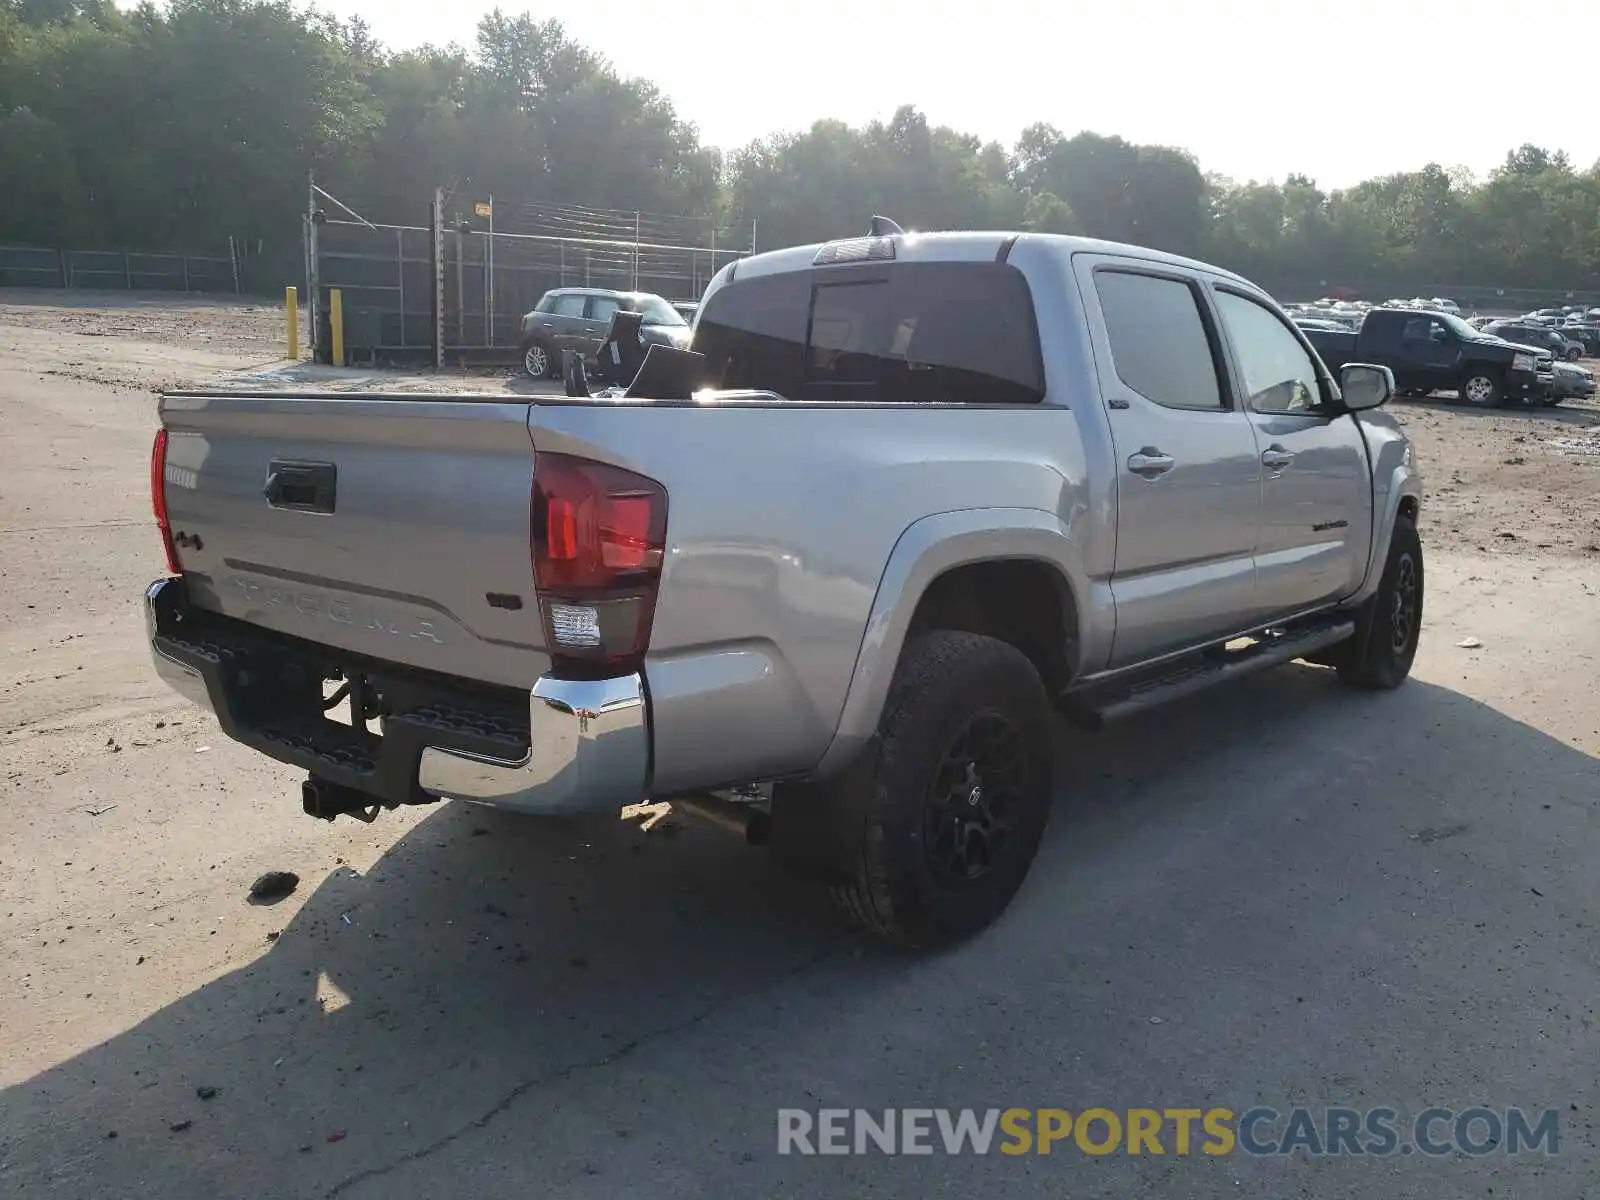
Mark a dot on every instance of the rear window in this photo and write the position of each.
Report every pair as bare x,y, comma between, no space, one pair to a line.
910,333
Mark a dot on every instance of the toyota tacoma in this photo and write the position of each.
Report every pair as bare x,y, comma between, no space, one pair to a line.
920,490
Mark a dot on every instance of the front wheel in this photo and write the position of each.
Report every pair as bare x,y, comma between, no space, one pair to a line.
956,799
1379,656
1574,353
1481,389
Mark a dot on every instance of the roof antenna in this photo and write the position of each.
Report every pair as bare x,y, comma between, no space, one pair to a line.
883,227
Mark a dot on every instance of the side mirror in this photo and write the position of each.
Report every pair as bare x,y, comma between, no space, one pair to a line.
1363,386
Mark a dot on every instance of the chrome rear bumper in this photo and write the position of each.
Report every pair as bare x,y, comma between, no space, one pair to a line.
588,748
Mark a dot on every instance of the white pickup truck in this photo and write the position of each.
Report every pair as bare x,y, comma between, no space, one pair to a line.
924,487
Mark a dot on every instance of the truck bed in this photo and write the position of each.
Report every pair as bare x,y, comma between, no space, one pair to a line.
781,516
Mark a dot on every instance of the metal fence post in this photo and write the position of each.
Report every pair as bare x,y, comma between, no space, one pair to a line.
461,292
488,278
400,271
127,271
636,252
438,277
314,281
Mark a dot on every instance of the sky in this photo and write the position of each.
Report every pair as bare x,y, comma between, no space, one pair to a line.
1340,90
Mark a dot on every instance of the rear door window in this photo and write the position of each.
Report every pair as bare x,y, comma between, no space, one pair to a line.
567,306
603,308
1159,345
906,333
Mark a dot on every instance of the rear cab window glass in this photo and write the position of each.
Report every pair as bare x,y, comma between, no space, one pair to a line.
1159,345
906,333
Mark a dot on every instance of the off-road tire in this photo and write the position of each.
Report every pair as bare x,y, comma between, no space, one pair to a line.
944,682
1376,658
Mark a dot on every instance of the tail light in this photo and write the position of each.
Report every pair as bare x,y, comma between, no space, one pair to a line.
158,499
599,537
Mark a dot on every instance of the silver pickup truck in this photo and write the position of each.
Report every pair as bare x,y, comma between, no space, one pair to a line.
925,487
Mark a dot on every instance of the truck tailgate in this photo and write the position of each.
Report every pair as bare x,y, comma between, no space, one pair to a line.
394,527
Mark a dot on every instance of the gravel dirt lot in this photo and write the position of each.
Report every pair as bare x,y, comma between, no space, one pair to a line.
1285,894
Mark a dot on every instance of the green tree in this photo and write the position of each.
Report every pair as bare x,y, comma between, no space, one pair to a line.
178,126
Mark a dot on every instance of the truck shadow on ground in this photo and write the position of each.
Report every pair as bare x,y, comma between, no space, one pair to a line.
486,962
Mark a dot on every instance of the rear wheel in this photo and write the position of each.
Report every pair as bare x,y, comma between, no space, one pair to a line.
1380,655
1481,389
955,802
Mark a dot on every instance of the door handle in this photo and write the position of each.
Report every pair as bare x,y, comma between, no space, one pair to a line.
1150,462
548,324
1276,458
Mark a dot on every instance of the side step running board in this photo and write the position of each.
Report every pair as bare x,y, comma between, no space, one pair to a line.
1099,704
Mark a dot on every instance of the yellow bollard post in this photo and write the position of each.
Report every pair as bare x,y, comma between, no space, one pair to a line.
291,314
336,324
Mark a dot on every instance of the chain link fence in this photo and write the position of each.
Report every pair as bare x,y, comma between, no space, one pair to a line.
457,292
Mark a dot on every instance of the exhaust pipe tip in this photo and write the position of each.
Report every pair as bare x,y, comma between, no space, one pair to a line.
747,821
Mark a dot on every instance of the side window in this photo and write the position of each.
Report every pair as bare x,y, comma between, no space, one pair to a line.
1158,341
1279,376
568,306
1416,329
602,308
547,303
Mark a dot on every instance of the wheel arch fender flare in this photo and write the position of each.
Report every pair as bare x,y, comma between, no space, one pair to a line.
927,549
1401,490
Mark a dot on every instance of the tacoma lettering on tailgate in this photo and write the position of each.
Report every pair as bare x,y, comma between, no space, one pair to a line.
340,612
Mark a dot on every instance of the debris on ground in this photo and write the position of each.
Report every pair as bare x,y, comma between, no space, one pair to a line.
1470,643
205,1091
180,1126
274,886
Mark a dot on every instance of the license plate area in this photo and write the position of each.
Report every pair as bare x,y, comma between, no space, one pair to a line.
358,722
